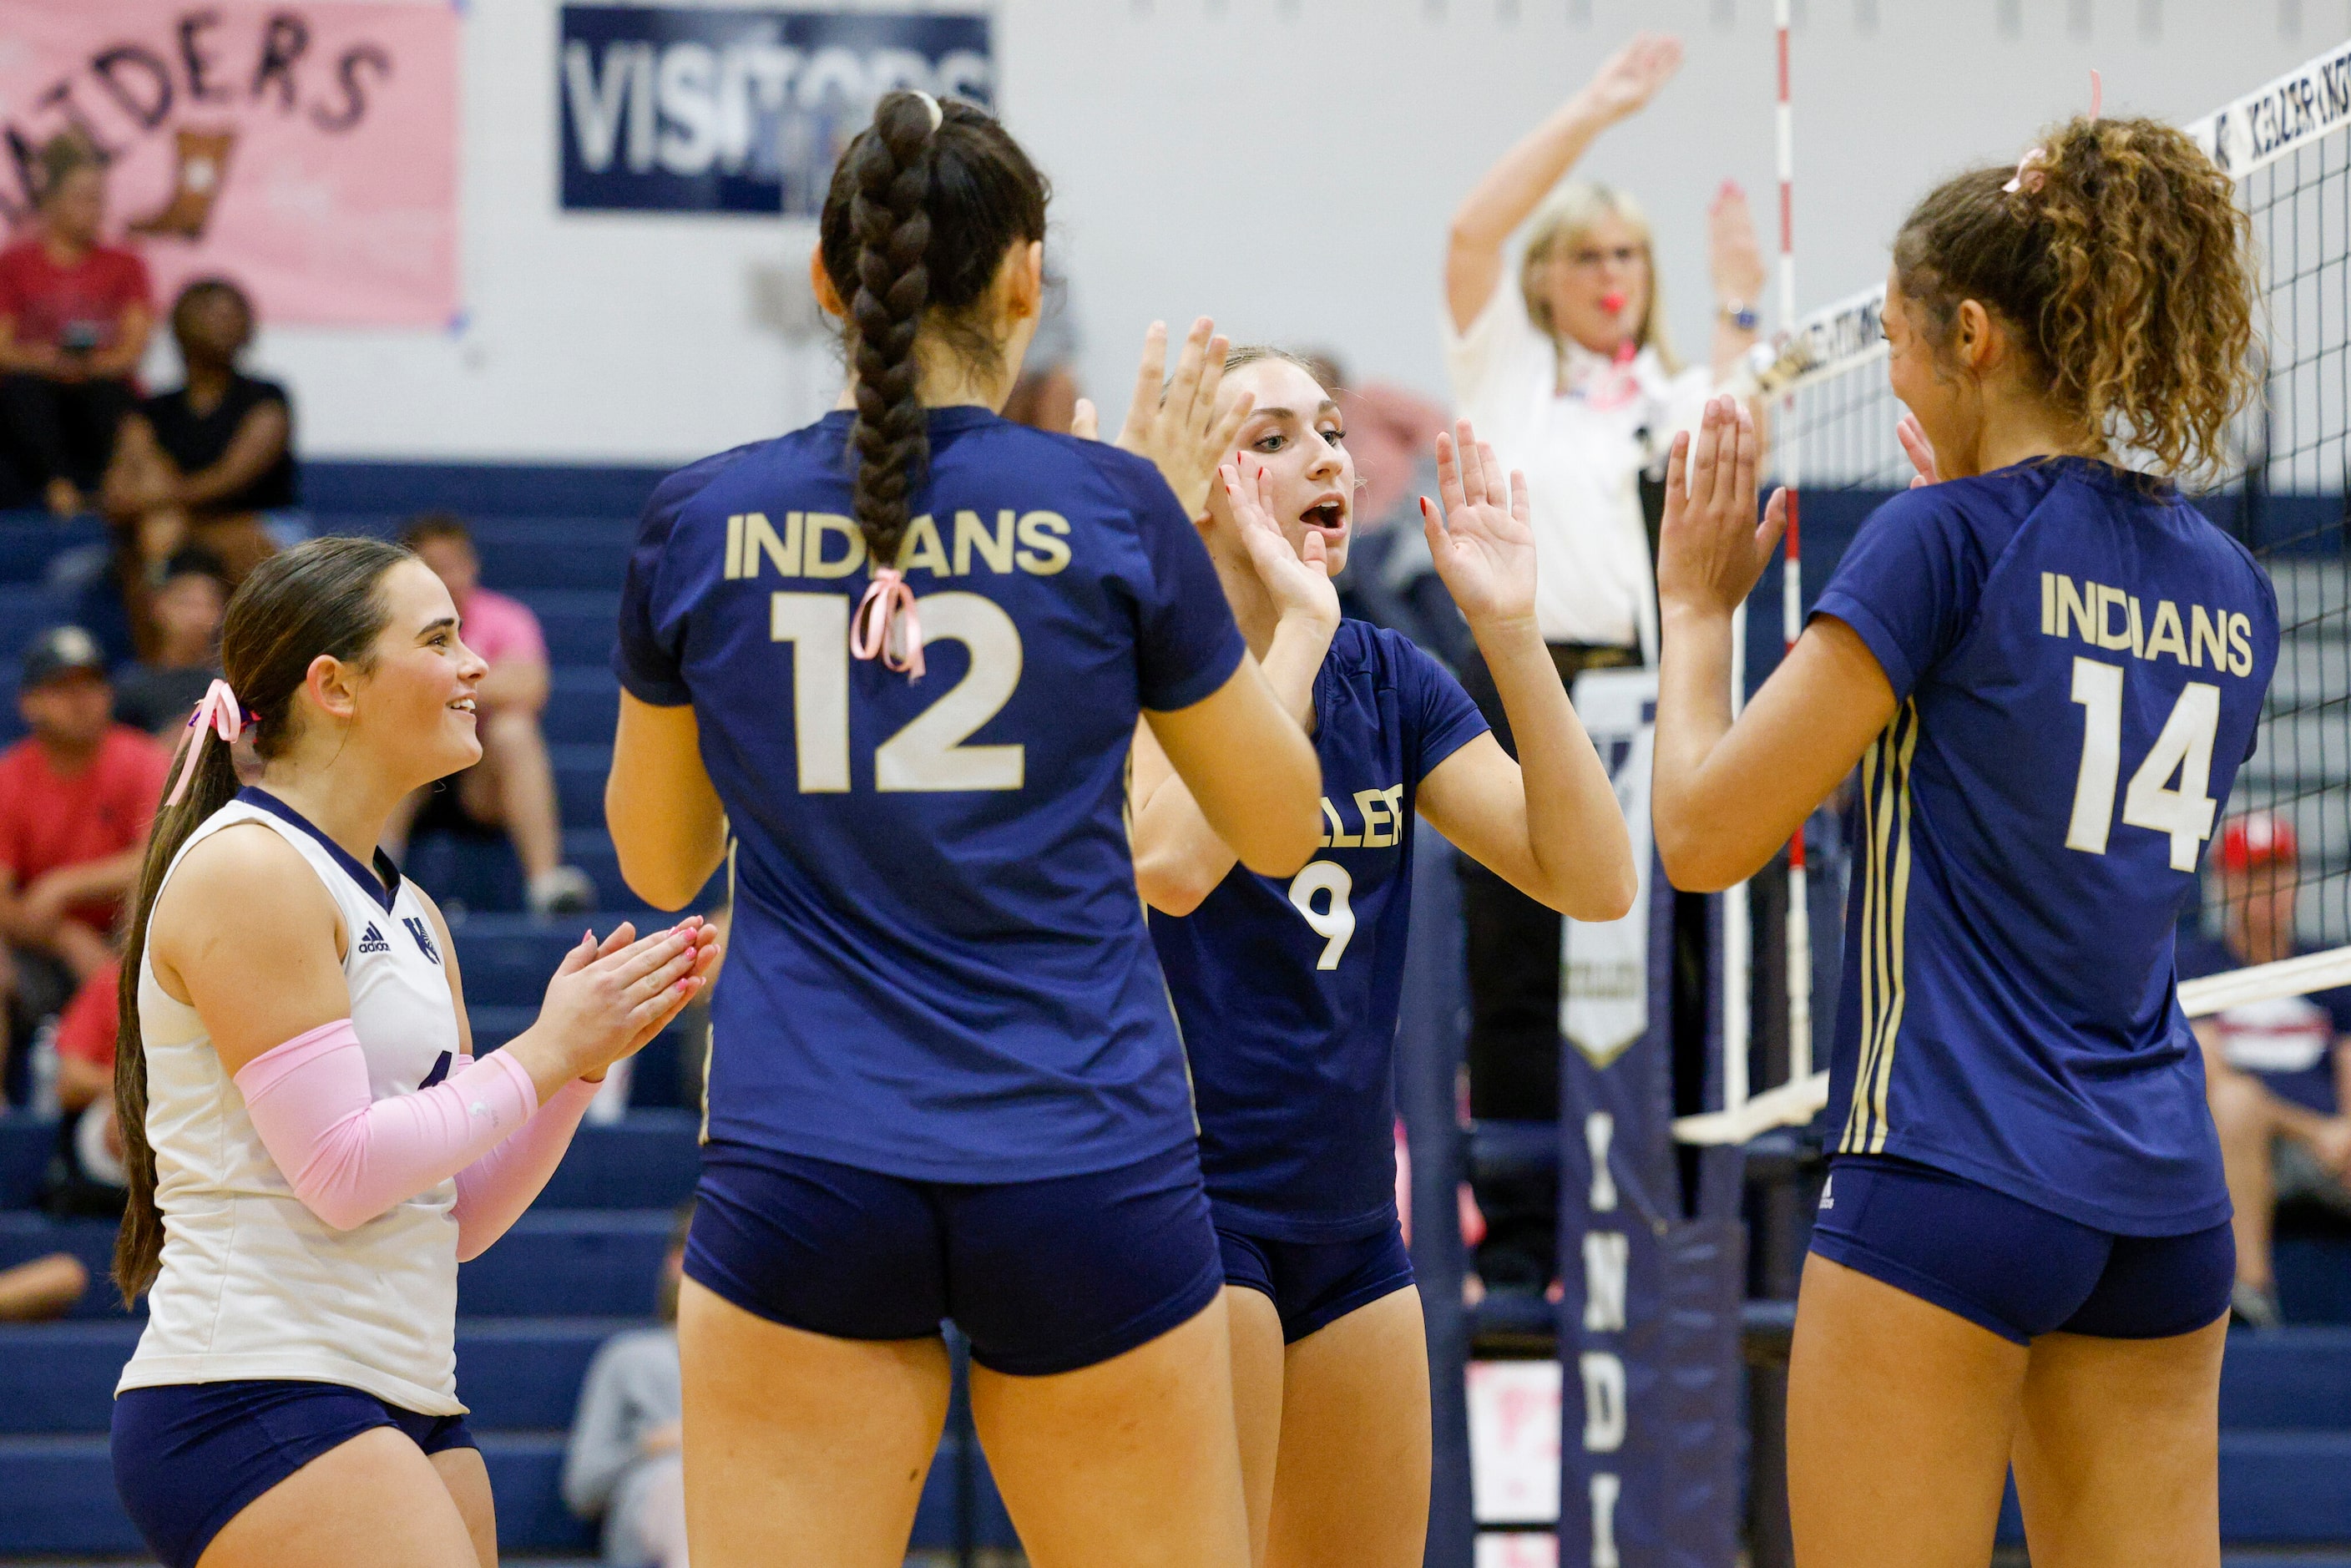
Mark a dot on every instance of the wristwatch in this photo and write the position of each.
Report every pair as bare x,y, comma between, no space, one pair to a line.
1740,314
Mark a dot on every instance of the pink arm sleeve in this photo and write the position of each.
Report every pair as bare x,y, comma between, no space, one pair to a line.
350,1157
494,1190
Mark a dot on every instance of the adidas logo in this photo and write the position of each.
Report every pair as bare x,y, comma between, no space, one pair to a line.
374,941
1828,1193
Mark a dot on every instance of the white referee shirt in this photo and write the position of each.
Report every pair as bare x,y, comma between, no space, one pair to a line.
1582,431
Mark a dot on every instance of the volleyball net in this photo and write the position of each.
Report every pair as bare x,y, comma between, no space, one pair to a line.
2282,853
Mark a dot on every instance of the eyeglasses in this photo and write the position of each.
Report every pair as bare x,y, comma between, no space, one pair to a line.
1589,259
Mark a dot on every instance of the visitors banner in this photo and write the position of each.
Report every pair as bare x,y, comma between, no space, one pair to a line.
309,152
724,110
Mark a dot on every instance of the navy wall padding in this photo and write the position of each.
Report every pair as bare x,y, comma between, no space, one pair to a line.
479,489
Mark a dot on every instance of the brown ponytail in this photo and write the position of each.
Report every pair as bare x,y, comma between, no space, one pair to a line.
915,230
2123,261
318,598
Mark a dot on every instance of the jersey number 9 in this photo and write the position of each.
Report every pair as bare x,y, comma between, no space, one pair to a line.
2185,748
1335,923
928,755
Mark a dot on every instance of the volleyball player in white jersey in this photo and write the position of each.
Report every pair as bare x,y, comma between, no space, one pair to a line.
312,1146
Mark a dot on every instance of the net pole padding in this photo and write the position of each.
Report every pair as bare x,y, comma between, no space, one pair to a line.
2265,982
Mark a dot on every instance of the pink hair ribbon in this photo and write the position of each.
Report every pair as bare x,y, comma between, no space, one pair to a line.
217,713
887,626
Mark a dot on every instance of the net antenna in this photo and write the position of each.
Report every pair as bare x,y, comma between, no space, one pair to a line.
1835,431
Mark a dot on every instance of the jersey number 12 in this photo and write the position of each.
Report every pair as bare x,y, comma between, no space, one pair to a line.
2185,748
929,754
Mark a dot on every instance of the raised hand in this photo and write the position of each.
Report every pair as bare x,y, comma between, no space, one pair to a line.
1733,257
1298,581
1919,450
1484,549
1711,550
608,999
1085,423
1632,76
1186,428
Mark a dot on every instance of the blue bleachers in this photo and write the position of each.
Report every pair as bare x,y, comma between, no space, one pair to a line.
584,1263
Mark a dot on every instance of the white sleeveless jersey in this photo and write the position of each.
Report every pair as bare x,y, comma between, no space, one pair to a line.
254,1285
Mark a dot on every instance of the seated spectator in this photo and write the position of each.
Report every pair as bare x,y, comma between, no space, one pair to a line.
513,786
203,463
75,797
158,692
2278,1074
623,1463
87,1178
74,319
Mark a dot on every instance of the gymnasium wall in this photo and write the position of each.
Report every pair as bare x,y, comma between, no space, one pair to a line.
1286,165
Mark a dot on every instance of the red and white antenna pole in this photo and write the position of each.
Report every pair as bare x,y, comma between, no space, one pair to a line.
1792,579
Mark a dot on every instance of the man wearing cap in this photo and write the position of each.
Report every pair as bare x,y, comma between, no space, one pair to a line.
2278,1073
75,797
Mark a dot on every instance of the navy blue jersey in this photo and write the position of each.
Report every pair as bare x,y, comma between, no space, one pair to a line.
1287,988
938,966
2290,1043
2079,660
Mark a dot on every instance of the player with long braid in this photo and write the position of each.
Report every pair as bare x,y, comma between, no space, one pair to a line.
944,1081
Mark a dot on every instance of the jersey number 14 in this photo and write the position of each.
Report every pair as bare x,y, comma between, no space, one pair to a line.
2185,749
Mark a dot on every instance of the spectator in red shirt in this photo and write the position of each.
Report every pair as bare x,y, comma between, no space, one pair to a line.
2277,1072
74,319
76,797
513,786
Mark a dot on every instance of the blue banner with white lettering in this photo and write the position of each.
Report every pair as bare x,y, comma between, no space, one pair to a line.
1652,1255
701,110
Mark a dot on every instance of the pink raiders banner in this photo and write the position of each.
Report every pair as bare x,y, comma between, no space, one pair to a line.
307,151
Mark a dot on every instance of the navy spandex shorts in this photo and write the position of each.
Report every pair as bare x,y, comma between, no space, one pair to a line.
188,1457
1313,1284
2007,1266
1041,1276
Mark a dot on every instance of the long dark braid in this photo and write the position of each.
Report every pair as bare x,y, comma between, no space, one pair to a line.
915,228
890,171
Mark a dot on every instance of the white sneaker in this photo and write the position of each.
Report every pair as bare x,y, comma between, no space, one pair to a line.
564,889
